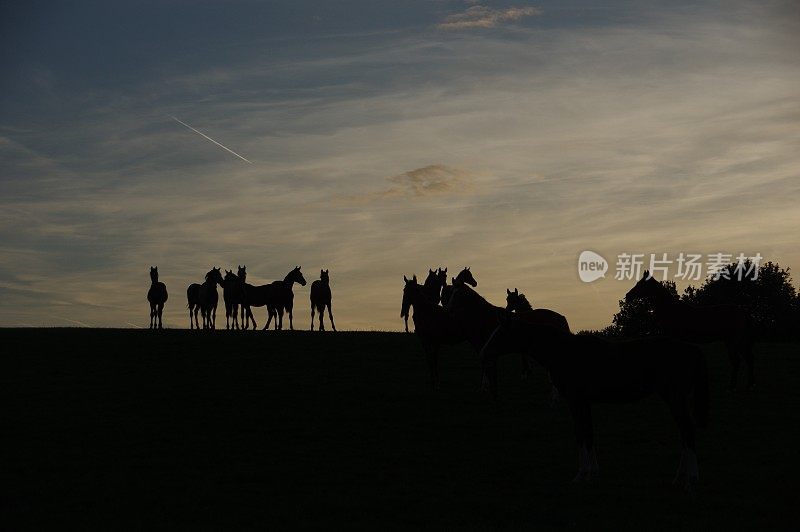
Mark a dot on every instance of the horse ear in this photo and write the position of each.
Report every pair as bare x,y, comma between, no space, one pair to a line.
467,268
445,269
405,279
516,291
508,292
646,274
415,278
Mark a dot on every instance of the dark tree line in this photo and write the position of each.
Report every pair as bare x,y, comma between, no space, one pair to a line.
771,299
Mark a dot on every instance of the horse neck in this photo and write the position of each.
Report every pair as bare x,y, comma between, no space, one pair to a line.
288,280
524,304
662,302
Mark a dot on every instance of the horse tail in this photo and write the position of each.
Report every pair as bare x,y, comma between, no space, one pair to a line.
700,397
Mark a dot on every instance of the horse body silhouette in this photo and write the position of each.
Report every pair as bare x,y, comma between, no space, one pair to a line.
157,297
463,277
277,296
203,298
233,295
320,298
432,324
521,307
252,296
431,288
587,369
280,298
730,324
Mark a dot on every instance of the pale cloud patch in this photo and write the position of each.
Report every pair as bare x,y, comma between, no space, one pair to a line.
434,180
480,16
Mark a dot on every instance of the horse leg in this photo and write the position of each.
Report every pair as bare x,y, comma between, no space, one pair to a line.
152,314
291,326
236,316
279,320
160,312
312,318
687,473
405,319
270,312
227,315
581,415
733,356
214,317
330,315
196,323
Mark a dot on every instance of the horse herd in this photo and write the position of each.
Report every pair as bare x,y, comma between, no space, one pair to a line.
585,369
238,295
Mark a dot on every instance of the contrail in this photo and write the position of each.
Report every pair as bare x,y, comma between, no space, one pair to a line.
72,321
209,138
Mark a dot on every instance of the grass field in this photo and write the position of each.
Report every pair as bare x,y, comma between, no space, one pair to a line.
133,429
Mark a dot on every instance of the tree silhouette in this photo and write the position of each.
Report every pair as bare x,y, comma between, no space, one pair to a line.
770,298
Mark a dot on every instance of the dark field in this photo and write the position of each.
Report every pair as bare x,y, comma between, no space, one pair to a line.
133,429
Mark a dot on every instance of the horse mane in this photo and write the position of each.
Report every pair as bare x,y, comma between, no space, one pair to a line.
523,301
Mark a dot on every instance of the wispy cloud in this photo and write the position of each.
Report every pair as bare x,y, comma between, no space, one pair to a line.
481,16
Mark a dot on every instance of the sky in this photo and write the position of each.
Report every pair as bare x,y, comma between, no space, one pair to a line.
382,138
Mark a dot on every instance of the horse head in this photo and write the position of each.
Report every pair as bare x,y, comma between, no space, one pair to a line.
295,276
242,273
441,276
154,273
512,300
465,276
645,288
323,275
215,276
230,276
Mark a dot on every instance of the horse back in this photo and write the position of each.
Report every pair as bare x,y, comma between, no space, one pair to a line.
544,316
629,370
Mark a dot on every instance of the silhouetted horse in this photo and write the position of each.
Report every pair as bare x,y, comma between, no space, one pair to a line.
156,296
320,298
280,298
588,369
463,277
432,324
519,305
208,298
252,296
232,294
730,324
432,288
476,319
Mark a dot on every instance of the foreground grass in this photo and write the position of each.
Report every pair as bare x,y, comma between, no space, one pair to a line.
136,429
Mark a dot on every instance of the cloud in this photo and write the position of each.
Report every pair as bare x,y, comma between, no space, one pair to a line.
427,182
430,180
480,16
